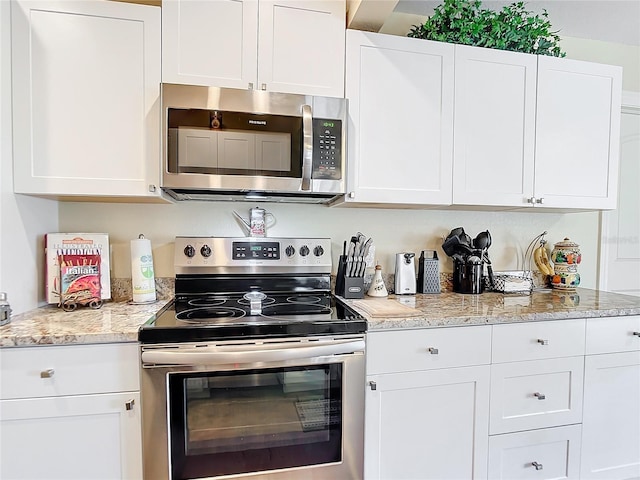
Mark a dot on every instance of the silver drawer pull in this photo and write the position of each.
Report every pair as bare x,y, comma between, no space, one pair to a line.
373,385
48,373
543,341
536,465
433,351
637,334
129,405
540,396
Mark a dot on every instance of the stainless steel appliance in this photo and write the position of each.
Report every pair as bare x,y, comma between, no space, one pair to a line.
405,274
222,143
255,368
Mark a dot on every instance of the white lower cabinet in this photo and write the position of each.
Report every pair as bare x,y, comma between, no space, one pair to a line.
550,453
611,420
427,404
536,394
74,437
70,412
427,425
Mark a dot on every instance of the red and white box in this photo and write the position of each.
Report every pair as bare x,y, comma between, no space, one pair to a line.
56,244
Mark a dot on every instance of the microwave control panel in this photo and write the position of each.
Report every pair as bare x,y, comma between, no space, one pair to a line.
327,149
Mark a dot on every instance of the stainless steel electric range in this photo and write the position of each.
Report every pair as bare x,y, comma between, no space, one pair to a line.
254,368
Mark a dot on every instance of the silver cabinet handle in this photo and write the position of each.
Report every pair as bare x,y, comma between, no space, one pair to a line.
543,341
540,396
250,85
48,373
536,465
540,200
152,188
352,194
433,351
263,86
637,334
531,200
373,385
129,405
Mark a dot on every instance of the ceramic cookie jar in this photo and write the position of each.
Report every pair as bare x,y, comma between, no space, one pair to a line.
566,257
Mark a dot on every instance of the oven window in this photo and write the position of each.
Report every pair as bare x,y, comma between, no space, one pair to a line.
254,420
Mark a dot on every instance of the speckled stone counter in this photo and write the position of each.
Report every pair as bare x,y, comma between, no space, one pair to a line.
454,309
114,322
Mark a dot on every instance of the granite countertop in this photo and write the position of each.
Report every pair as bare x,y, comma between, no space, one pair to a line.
455,309
119,321
50,325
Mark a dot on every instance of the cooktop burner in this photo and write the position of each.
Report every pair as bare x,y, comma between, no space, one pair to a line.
181,321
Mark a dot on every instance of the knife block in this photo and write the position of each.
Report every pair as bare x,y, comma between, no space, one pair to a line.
348,287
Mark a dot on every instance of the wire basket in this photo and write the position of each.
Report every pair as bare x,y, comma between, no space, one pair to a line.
511,282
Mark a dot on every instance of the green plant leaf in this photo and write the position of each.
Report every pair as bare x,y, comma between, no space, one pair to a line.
511,28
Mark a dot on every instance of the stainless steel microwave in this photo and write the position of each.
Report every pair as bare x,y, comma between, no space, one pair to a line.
228,144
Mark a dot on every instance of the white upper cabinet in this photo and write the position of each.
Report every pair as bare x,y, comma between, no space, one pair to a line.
210,43
577,134
535,131
495,98
277,45
86,85
400,93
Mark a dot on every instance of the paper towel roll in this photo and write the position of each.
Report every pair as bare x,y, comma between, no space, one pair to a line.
142,277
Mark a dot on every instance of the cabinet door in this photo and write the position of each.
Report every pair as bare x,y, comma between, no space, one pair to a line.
400,93
210,42
495,98
86,83
550,453
301,47
577,133
427,425
76,437
536,394
611,417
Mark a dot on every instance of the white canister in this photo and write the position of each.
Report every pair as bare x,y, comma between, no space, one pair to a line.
377,288
142,277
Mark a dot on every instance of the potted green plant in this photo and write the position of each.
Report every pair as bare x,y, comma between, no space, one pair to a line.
511,28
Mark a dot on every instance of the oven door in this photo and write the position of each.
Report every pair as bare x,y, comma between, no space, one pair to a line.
298,409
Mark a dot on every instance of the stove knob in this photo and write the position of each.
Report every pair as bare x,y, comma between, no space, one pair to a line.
205,251
318,251
290,251
304,250
189,251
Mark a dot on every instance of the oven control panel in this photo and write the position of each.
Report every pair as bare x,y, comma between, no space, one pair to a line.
256,250
238,255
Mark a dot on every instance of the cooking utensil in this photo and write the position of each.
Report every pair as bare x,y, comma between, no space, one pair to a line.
482,240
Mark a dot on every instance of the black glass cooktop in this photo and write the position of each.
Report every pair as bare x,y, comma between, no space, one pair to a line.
250,315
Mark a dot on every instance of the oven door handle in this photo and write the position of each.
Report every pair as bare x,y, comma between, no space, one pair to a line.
266,353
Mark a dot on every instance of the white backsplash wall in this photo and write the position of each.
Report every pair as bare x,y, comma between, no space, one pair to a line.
393,230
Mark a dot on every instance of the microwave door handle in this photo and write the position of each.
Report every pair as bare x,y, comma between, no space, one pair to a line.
307,147
221,356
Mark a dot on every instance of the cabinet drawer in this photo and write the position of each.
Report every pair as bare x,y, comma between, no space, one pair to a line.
613,334
537,340
46,371
536,394
413,350
540,454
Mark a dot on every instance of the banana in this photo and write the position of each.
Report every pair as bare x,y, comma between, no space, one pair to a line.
541,259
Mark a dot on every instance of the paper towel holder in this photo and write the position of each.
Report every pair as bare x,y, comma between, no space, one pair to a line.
142,275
